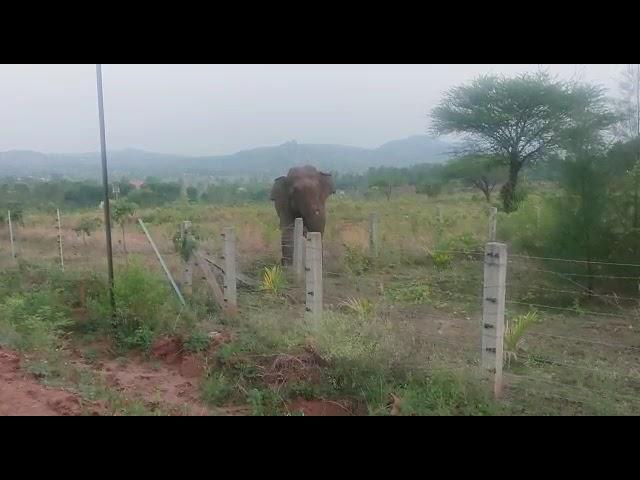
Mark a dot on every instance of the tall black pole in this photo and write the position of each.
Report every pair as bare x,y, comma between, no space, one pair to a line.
105,184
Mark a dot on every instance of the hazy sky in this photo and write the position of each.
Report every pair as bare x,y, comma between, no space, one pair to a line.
216,109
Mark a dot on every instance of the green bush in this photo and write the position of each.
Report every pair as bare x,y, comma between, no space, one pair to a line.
433,189
144,305
274,280
356,260
217,389
527,229
443,393
32,322
197,342
414,292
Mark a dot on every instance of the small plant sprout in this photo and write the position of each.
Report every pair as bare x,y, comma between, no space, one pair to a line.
273,280
359,306
515,330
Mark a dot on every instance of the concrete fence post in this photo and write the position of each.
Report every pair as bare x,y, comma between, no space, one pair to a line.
373,234
313,274
187,265
230,278
493,305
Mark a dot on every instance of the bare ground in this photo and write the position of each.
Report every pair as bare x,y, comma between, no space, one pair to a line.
22,395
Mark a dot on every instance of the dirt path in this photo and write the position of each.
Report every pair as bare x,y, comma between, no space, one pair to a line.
21,394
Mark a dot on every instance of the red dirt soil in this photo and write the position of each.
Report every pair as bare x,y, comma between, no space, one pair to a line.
171,383
22,395
318,408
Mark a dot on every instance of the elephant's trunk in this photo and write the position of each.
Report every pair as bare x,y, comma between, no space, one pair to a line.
314,218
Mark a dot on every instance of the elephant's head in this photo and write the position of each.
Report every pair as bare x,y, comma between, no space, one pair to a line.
304,192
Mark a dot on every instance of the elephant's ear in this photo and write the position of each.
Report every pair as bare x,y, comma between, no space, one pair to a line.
279,189
326,180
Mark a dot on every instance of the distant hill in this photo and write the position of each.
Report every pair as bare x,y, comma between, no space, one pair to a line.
262,161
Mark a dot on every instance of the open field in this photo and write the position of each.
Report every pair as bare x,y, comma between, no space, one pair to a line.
400,334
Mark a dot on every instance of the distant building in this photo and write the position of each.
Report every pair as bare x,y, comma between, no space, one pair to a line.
137,184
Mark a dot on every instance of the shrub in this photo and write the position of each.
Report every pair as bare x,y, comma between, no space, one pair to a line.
86,226
359,306
32,321
443,393
514,332
356,261
197,342
217,389
143,304
273,280
414,292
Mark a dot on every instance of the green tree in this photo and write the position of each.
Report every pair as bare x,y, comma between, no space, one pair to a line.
83,194
121,212
516,119
582,229
192,194
86,226
386,178
483,172
624,172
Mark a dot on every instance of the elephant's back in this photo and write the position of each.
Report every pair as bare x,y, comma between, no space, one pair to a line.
303,171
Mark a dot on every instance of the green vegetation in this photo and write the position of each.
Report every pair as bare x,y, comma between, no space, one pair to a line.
273,280
401,330
122,212
86,226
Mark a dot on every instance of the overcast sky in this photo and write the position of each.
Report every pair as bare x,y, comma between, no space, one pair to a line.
218,109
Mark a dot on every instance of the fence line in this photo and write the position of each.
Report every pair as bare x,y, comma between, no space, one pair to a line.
572,365
490,340
546,393
585,275
569,260
568,386
586,340
613,296
575,310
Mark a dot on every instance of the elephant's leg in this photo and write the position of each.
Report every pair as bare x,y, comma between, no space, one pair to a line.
286,229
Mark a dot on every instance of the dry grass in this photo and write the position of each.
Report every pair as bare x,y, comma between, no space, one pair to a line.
436,323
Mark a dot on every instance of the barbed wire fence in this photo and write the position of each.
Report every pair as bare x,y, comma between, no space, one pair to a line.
582,347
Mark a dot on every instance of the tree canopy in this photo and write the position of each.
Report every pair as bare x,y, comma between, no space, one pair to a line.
483,172
518,119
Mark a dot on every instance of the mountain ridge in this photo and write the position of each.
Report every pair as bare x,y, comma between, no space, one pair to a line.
263,160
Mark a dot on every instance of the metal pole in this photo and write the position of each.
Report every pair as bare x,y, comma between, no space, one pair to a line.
164,265
105,184
13,249
60,240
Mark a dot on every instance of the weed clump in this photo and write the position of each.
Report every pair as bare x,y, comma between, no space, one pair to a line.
144,307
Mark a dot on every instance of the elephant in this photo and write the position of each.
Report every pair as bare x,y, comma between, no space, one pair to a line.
301,193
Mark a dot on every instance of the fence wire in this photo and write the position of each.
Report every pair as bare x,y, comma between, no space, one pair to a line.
552,281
